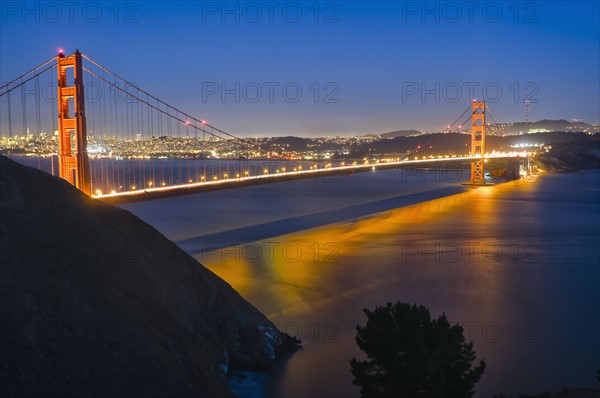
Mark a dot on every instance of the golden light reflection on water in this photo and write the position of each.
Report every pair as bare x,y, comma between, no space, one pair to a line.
282,270
512,309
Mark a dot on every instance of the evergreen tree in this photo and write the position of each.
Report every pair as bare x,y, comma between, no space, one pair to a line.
411,355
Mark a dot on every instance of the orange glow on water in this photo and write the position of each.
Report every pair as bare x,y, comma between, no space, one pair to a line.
281,272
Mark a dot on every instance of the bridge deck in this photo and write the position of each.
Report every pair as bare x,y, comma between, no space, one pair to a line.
196,187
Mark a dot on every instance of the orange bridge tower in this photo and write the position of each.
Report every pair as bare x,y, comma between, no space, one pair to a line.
477,143
73,163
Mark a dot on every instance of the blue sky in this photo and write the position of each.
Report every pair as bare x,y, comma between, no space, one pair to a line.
328,68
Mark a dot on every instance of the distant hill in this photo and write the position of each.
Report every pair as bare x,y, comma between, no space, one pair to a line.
547,126
290,143
94,302
299,144
440,143
400,133
570,156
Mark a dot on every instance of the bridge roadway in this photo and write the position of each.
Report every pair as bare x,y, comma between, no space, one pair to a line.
236,182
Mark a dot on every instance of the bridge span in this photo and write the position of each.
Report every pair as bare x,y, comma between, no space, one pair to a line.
145,123
506,164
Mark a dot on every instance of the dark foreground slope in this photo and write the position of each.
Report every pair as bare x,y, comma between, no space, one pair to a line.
95,302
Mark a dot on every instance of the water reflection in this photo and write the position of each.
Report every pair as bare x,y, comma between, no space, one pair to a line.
500,260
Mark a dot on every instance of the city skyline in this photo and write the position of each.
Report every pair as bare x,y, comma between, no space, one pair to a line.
345,70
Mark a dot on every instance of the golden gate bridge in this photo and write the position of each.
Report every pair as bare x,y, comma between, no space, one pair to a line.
108,105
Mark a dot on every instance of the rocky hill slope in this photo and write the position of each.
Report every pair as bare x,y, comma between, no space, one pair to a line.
95,302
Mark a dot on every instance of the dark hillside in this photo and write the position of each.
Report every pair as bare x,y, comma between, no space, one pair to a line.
95,302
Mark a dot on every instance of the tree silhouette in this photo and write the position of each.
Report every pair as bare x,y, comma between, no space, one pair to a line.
411,355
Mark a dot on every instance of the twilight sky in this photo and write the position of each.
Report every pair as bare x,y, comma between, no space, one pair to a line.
328,68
